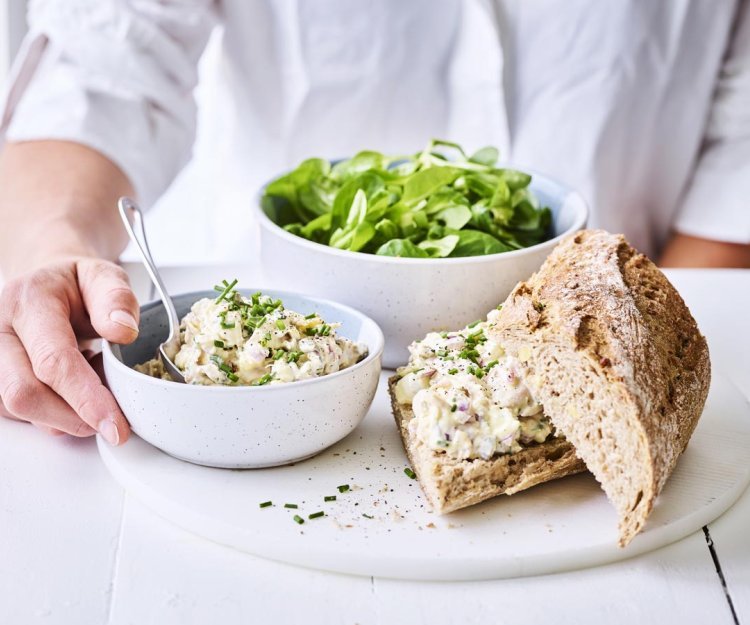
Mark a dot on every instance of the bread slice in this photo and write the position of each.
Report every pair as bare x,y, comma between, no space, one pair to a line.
450,484
611,351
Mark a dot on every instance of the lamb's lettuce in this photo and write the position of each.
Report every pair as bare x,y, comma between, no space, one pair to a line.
438,203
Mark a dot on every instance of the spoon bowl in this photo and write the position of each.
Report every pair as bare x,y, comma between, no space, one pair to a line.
132,219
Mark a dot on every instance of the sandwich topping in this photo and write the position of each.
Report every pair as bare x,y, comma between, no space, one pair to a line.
239,340
467,396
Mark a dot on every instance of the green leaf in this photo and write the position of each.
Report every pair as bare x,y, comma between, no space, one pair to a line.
354,238
358,209
475,243
387,229
426,182
435,143
317,229
482,184
377,205
454,217
486,156
362,236
515,179
368,182
439,248
443,199
402,248
361,162
315,197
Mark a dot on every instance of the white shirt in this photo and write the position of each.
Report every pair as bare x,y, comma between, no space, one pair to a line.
642,106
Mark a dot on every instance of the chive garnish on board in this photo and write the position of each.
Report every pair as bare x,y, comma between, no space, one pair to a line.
298,519
265,504
410,473
329,498
316,515
367,516
343,488
291,505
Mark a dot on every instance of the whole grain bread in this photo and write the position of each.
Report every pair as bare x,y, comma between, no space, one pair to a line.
451,484
613,354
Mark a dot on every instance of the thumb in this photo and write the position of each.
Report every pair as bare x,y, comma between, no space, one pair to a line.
109,300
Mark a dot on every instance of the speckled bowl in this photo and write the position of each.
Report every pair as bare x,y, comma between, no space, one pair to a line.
410,297
244,427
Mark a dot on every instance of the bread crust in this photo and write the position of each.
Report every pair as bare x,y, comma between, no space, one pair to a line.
613,354
450,484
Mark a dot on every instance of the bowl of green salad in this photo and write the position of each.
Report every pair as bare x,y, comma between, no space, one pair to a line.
420,243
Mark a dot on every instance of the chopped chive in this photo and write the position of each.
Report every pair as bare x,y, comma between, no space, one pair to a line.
474,324
264,379
298,519
329,498
343,488
278,354
410,473
367,516
291,505
311,316
293,356
226,290
453,371
316,515
218,343
443,335
227,326
321,330
280,324
265,504
233,377
453,408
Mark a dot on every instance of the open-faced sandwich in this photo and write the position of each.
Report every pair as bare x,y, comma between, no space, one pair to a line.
593,363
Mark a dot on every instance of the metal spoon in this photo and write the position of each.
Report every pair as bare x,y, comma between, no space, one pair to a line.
131,216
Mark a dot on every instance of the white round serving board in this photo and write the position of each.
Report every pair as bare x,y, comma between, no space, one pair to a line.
561,525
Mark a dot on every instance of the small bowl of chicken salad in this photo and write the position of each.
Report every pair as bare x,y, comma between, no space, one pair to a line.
270,377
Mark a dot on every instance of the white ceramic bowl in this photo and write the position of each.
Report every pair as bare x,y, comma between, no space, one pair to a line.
244,427
409,297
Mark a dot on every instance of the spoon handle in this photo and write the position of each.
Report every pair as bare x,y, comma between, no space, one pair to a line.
132,219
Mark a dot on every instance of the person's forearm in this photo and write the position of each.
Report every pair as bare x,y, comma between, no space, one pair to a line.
686,251
57,199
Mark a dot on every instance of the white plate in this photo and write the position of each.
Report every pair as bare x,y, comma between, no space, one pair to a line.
561,525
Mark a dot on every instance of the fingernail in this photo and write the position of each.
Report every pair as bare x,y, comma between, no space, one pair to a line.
108,430
124,318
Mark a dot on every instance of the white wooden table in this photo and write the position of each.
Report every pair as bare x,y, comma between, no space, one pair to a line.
75,548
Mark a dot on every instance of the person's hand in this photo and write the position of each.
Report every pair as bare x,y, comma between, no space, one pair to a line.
44,377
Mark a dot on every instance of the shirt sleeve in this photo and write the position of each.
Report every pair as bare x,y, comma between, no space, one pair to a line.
717,202
115,76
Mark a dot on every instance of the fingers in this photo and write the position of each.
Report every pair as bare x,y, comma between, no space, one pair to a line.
111,304
24,397
50,343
